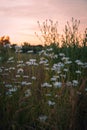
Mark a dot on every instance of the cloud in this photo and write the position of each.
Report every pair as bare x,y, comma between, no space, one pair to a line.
21,16
48,9
23,8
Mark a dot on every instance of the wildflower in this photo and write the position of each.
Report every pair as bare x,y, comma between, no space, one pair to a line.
6,69
28,83
23,83
50,49
57,84
86,89
17,76
8,85
32,61
27,93
78,71
2,67
84,65
58,66
7,45
33,78
75,82
20,65
46,64
79,62
20,62
36,64
56,76
63,75
12,68
41,52
31,51
45,54
48,94
66,70
18,49
55,56
44,61
42,118
46,85
10,58
68,62
56,96
28,63
53,79
13,89
20,70
25,76
65,58
61,54
50,103
51,55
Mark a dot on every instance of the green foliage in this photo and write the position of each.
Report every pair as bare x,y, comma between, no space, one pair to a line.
27,47
3,53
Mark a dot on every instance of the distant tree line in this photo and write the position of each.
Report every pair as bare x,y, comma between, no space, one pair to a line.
25,47
4,40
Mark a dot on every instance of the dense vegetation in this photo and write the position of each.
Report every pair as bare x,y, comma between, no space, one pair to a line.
45,87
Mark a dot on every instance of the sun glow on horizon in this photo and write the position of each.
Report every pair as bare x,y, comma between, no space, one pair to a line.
30,36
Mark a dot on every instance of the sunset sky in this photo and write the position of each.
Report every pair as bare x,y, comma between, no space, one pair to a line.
18,18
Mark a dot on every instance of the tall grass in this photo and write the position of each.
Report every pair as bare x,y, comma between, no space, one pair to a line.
46,90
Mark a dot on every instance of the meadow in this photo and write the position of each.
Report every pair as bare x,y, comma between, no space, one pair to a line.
45,90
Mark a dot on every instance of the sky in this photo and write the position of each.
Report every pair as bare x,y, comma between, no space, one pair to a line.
18,18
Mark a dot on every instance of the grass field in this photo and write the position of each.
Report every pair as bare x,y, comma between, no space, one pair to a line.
45,87
44,91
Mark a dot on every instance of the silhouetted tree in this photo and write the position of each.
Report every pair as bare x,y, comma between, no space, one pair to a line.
4,40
